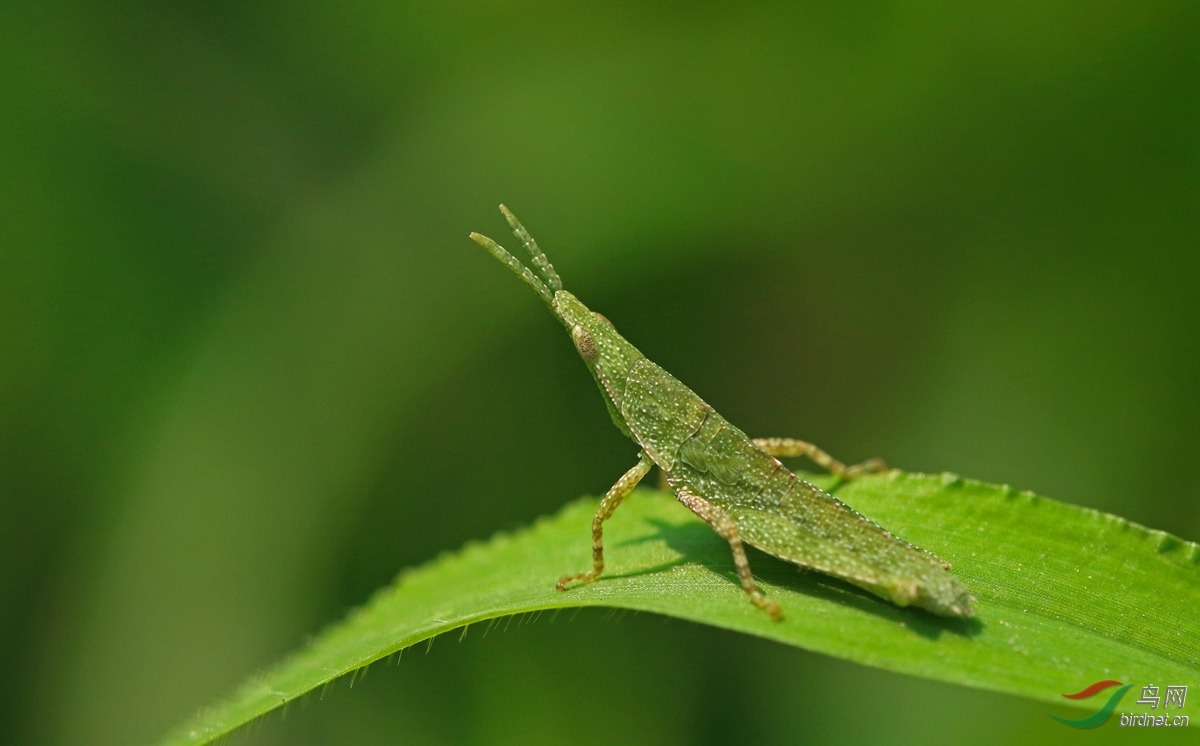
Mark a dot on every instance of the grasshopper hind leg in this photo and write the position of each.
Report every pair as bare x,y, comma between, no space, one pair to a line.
790,447
612,499
724,525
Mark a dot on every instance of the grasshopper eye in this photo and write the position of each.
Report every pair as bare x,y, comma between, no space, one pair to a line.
584,343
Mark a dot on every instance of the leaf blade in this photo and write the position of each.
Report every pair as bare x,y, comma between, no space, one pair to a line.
1066,595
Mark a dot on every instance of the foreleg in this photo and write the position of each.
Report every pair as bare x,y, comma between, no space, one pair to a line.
608,505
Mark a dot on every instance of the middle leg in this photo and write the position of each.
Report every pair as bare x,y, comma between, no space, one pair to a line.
786,447
724,525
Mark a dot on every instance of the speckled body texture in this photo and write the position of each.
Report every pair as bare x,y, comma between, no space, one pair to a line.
724,477
775,510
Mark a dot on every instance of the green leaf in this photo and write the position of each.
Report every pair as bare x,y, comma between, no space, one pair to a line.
1066,595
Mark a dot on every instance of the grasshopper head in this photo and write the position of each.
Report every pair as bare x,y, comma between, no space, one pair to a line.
608,355
596,340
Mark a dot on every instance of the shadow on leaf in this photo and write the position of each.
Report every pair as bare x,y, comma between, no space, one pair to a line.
698,544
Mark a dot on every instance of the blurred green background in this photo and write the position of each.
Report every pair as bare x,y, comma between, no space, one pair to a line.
251,366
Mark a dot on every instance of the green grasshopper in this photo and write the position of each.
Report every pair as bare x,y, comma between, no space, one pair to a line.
734,484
